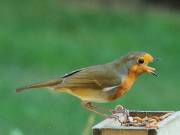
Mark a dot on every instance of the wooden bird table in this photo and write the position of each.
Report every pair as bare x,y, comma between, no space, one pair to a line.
168,124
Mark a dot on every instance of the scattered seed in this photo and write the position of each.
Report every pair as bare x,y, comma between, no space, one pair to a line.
165,116
148,122
138,119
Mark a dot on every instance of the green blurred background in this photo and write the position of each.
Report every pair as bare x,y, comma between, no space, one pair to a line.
44,39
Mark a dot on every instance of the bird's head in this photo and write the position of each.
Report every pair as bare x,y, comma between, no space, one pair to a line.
137,63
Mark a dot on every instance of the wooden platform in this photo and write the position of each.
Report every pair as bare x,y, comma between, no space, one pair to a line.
168,126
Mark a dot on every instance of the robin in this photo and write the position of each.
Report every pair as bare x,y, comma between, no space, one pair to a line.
101,83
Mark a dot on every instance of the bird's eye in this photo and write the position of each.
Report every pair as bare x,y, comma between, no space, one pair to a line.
140,61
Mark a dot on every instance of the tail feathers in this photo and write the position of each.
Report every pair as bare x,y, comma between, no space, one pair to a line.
40,85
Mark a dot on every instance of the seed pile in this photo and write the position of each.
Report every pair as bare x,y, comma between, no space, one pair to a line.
148,122
122,115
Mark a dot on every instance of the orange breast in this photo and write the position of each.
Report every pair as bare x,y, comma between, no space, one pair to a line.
124,88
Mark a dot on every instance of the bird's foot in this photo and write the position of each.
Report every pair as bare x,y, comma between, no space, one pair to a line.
121,114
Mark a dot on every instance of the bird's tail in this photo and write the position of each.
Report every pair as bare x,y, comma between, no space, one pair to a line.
40,85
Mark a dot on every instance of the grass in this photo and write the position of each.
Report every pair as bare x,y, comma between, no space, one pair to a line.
40,40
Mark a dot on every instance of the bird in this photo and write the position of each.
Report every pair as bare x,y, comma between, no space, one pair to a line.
101,83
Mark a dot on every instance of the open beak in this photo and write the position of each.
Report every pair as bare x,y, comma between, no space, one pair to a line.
151,71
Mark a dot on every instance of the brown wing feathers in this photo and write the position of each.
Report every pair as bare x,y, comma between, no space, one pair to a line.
40,85
96,77
48,83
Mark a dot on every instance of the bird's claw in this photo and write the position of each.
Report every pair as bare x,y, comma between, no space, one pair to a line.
121,109
120,114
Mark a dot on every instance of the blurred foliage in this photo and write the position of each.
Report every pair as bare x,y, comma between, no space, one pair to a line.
43,39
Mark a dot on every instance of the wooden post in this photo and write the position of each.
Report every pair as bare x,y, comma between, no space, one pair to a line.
168,126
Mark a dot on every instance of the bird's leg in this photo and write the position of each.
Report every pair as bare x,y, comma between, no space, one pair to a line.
89,106
118,110
104,108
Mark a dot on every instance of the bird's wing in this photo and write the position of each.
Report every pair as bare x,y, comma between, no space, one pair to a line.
49,84
96,77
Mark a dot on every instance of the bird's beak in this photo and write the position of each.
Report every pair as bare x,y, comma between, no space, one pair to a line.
151,71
